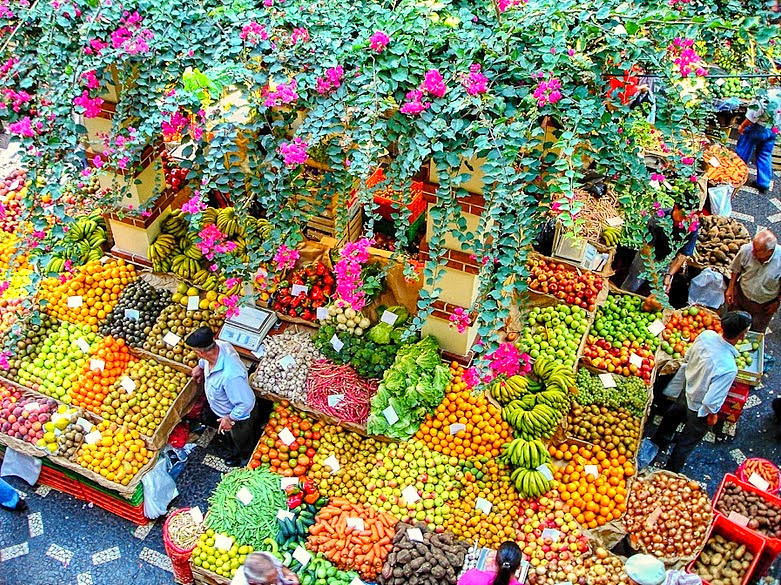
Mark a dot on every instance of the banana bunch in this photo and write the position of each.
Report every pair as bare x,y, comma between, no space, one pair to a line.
530,483
553,374
175,224
226,222
611,235
188,247
264,228
531,420
184,266
529,454
209,216
515,387
204,280
81,244
162,248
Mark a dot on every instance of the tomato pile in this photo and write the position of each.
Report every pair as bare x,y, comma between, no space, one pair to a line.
575,287
682,329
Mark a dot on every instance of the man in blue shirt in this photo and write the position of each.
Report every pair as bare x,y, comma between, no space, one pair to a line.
227,392
704,379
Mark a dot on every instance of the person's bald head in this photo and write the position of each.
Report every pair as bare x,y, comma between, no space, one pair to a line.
763,245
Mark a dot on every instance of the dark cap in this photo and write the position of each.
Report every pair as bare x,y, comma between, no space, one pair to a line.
201,338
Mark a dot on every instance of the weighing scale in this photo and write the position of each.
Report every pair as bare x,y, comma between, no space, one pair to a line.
248,329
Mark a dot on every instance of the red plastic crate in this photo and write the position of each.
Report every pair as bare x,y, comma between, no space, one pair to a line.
773,545
389,207
116,506
754,544
736,399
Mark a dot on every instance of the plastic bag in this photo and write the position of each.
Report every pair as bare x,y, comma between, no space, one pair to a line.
646,454
721,200
707,288
159,489
20,465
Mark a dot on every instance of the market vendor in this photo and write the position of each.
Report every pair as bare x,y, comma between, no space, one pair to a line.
263,568
227,392
508,560
648,570
702,384
755,283
683,236
758,136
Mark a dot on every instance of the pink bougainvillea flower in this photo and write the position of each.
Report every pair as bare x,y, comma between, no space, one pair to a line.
349,285
687,160
475,82
332,80
22,127
547,92
252,32
460,319
285,257
194,204
378,41
299,34
433,84
91,106
175,124
284,93
414,104
294,153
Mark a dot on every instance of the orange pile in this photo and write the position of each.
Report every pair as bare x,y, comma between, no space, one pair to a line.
98,285
491,481
117,456
593,502
485,431
91,387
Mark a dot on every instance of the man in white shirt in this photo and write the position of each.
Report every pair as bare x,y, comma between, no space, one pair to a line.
227,392
703,382
755,283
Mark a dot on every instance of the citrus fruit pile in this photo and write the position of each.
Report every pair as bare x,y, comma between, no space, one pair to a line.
93,291
593,501
684,327
222,562
143,403
106,362
464,424
118,455
58,361
292,460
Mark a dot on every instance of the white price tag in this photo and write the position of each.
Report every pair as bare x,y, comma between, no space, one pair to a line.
335,399
620,30
390,415
615,221
132,314
222,542
286,437
592,470
82,344
389,317
261,352
653,517
607,380
104,259
714,162
551,533
455,427
410,494
299,288
244,496
30,406
302,556
738,518
285,515
483,505
92,438
656,327
544,469
74,302
127,384
171,339
356,523
758,481
97,365
287,362
193,302
332,462
414,534
336,343
287,482
667,185
196,515
655,184
85,424
357,581
322,313
635,360
720,81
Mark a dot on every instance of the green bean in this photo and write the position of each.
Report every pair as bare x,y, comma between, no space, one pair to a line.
253,523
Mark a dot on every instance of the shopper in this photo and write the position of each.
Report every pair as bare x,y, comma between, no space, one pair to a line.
703,381
660,245
758,135
508,559
755,282
227,392
648,570
263,568
9,498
